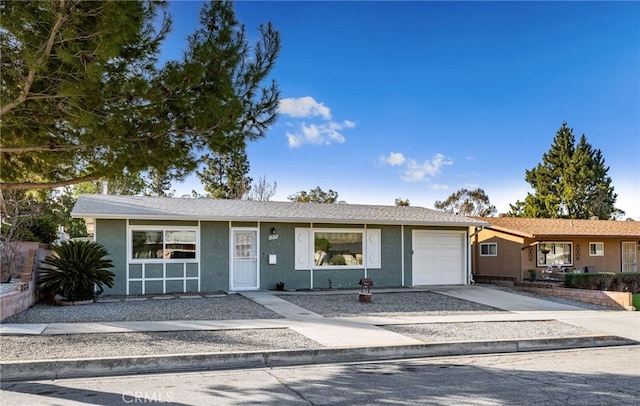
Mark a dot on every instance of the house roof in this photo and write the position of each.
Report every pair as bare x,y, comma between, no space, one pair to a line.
537,227
167,208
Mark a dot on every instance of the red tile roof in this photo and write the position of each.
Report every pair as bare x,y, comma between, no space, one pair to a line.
536,227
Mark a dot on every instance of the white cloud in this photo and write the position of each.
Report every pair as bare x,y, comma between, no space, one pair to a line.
394,159
414,171
319,128
319,134
438,186
303,107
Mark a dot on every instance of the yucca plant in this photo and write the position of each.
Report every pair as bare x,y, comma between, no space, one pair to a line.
78,268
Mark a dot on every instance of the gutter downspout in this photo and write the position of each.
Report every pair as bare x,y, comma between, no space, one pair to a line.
402,250
469,266
311,249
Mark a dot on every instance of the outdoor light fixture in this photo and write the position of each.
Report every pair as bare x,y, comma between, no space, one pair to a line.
273,230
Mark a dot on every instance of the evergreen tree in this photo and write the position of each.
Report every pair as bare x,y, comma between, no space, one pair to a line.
570,182
316,195
224,176
82,98
159,183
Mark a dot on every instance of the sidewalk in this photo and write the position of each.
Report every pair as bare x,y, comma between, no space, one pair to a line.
344,339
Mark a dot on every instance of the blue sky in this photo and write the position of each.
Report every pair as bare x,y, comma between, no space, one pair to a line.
415,100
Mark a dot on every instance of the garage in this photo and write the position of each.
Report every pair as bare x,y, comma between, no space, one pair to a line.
439,257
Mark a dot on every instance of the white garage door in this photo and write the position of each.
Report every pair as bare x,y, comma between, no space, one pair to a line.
439,257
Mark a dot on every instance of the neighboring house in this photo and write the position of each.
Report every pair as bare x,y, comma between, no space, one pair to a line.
162,245
512,245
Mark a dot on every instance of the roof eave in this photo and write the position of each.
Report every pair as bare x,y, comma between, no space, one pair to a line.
278,220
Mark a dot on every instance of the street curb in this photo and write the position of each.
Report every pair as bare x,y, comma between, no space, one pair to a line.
95,367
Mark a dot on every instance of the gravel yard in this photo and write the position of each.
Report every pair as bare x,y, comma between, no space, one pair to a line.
221,307
22,348
387,304
505,330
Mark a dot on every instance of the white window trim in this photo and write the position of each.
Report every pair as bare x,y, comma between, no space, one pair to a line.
163,229
304,249
362,231
163,261
489,254
597,254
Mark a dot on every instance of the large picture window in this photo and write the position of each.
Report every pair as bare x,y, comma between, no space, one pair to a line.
555,253
338,248
163,244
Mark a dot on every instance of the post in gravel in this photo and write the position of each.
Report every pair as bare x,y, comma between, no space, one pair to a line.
365,290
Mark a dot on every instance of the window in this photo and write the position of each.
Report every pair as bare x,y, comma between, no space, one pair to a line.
337,248
489,249
596,249
555,253
163,244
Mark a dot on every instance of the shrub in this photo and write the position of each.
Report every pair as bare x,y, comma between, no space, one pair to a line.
77,269
43,229
622,282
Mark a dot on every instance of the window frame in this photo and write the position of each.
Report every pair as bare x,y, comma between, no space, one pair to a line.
164,230
361,231
597,253
489,245
552,244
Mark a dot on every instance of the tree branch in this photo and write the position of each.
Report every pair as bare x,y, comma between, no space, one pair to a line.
41,60
46,185
40,148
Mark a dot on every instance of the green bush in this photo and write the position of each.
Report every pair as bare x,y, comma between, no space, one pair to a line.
621,282
77,269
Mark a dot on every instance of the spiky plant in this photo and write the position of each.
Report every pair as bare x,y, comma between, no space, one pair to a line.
77,269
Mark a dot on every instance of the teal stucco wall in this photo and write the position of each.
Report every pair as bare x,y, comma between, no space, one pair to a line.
112,234
214,254
276,239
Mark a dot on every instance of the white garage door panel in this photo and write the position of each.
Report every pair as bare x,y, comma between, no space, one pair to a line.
438,258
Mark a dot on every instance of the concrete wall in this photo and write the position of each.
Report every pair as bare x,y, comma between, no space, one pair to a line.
619,300
25,293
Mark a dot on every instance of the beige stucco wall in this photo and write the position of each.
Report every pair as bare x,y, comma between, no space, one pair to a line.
516,254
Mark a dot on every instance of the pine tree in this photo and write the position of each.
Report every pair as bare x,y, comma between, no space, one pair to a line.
82,97
570,182
224,175
316,195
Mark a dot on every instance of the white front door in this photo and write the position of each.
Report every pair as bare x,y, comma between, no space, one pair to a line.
244,259
629,256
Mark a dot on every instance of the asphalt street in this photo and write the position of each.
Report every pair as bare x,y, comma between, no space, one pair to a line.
601,376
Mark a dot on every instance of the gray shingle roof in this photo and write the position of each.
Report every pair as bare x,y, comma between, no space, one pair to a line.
166,208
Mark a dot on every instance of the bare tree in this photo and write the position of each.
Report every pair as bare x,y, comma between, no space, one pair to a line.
262,190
